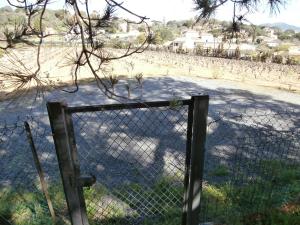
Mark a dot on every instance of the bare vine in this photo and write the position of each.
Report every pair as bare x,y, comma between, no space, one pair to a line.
90,53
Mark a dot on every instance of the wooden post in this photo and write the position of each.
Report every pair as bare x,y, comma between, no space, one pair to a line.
40,171
200,111
187,162
63,135
76,164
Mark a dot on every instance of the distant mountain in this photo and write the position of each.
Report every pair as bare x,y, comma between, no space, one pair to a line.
282,26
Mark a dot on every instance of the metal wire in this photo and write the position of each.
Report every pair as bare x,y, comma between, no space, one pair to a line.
21,198
248,154
138,158
138,155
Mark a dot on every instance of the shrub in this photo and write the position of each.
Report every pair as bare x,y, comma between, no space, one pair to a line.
237,53
265,56
1,53
220,171
283,47
118,44
277,59
292,61
199,50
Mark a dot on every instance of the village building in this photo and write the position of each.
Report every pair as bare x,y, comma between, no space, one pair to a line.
269,41
273,43
190,39
294,51
270,33
123,27
131,35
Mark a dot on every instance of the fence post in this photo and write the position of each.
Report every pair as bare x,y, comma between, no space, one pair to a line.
40,171
187,162
63,135
196,143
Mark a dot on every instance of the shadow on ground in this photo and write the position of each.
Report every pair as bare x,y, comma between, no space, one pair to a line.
126,148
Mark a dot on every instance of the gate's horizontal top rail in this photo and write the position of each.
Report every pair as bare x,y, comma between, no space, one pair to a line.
94,108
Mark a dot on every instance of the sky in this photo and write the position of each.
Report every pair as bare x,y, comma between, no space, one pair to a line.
183,9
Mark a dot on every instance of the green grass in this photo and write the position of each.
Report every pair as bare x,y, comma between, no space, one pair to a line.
272,198
220,171
163,199
22,207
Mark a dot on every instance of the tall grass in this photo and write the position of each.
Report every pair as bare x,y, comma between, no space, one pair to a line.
274,201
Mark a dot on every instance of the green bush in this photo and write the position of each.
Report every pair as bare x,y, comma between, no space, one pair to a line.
265,56
118,44
277,59
220,171
293,61
23,207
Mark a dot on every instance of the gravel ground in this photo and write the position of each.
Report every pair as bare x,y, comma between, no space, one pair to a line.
246,124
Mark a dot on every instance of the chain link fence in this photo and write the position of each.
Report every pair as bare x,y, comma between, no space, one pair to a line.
252,168
251,171
138,158
22,200
19,180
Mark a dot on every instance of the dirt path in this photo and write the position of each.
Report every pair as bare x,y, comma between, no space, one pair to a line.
247,125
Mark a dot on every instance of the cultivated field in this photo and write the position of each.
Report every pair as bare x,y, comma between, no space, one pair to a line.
57,68
170,64
138,156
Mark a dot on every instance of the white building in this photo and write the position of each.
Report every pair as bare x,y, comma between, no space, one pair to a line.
183,43
190,39
186,41
294,51
50,31
207,38
270,33
273,43
129,35
123,27
190,34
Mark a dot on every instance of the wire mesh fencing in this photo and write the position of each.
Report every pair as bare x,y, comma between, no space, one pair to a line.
138,158
251,174
252,168
22,200
19,182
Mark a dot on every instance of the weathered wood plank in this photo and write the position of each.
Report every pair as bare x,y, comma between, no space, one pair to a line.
200,111
64,144
40,171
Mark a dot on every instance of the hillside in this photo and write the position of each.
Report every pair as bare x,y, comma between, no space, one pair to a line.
53,18
282,26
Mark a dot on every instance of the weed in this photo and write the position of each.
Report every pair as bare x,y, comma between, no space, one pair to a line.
220,171
215,73
23,207
272,201
266,200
